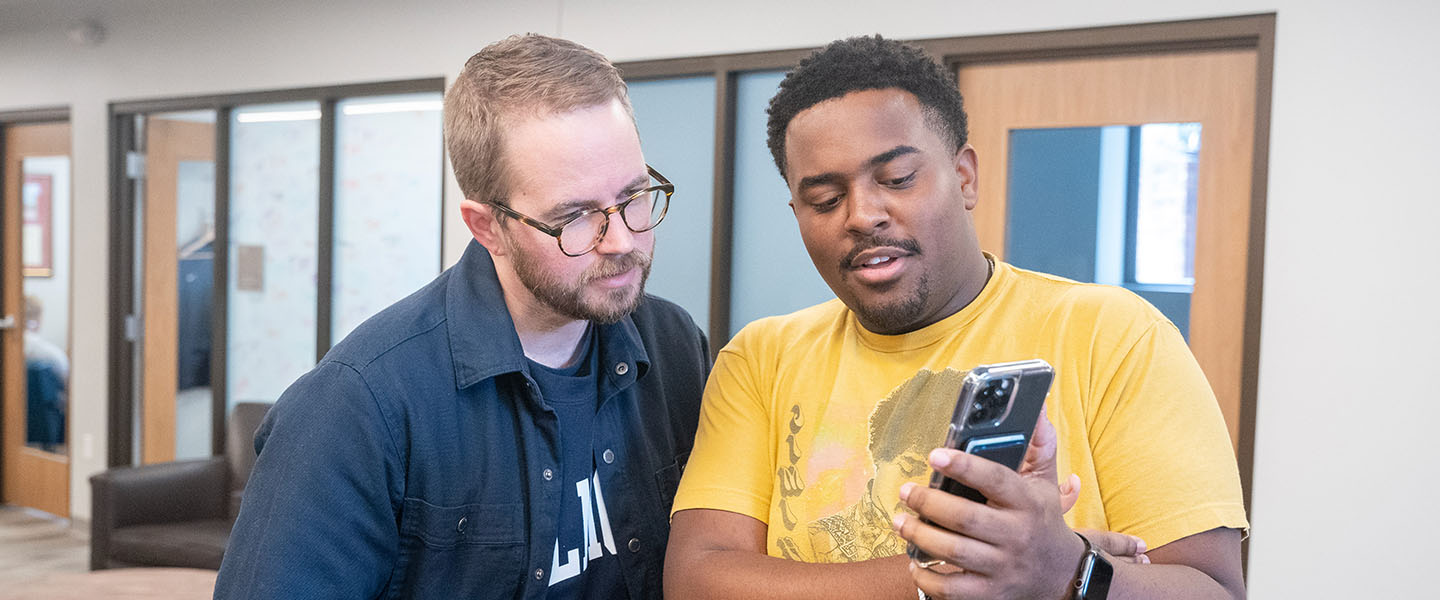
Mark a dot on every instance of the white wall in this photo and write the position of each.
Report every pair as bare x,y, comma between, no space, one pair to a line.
1349,280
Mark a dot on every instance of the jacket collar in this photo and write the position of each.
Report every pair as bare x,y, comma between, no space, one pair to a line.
483,343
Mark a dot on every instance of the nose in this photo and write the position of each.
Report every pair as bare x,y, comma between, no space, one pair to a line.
618,238
867,208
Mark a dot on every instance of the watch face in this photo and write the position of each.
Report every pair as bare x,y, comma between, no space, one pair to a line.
1095,583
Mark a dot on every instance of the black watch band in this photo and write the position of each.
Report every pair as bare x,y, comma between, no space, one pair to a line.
1092,578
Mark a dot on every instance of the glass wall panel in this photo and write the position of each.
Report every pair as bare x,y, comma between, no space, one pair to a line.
273,239
45,258
388,167
772,274
195,285
676,118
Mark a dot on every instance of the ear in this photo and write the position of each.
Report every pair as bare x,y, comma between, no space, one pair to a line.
483,225
967,167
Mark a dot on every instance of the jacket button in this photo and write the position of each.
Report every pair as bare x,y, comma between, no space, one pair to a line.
622,368
634,544
539,574
608,455
460,527
548,474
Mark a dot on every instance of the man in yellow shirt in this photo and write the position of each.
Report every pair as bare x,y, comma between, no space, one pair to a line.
802,484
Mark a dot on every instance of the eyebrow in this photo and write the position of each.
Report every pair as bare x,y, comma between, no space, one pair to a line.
875,161
571,205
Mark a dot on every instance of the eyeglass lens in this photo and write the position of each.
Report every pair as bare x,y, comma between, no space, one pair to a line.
641,214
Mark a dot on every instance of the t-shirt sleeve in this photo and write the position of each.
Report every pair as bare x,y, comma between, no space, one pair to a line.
731,467
1163,458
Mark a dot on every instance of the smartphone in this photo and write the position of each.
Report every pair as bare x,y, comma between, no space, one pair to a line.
994,418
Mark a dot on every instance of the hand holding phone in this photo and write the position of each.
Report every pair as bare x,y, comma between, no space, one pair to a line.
994,418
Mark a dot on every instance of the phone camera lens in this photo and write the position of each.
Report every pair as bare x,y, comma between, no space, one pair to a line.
979,412
990,402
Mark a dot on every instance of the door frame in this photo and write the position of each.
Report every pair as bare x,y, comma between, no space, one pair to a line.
1252,32
48,114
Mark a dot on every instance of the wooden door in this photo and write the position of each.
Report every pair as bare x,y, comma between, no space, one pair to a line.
168,143
1213,88
34,475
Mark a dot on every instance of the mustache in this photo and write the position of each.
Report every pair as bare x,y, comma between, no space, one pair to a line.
868,242
610,267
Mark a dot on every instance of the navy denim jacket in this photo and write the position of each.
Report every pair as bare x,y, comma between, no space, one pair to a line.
417,460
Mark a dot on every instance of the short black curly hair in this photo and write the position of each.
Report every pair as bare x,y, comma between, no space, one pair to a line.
868,63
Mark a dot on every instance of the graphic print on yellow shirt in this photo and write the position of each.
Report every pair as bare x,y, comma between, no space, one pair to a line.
903,428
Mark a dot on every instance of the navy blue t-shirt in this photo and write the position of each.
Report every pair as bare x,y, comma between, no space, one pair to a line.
584,563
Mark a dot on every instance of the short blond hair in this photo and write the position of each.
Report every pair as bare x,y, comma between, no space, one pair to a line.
519,76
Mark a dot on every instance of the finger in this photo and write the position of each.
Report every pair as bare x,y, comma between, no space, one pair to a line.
1041,453
957,514
955,549
1069,493
999,484
958,584
1138,559
1115,544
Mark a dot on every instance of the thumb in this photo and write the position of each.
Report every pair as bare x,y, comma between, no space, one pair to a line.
1069,493
1039,460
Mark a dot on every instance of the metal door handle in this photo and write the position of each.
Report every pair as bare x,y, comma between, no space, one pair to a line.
7,323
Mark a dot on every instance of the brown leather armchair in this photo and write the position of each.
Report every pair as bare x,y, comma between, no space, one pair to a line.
175,514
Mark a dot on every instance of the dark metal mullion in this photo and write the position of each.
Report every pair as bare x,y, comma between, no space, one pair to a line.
325,259
722,210
220,286
120,445
34,115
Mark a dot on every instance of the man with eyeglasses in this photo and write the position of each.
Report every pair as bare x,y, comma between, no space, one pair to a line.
517,428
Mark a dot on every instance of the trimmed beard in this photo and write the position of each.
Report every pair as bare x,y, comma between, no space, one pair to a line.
898,316
568,297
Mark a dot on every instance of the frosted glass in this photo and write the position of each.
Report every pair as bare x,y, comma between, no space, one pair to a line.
676,118
387,203
772,274
273,228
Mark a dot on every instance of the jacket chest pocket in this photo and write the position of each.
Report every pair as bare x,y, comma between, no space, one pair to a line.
470,551
667,479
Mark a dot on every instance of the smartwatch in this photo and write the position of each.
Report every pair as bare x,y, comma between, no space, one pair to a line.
1092,579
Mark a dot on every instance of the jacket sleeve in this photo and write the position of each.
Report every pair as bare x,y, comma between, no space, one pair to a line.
318,517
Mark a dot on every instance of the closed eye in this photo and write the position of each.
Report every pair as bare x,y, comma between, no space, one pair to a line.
826,205
900,181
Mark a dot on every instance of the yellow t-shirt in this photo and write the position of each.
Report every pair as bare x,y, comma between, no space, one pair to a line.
785,429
